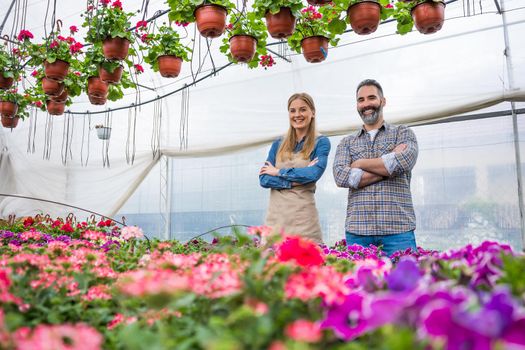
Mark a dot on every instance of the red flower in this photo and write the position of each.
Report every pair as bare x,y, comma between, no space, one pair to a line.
139,68
73,29
303,251
267,61
108,222
229,26
105,2
182,24
145,37
54,44
389,6
38,104
24,34
61,38
76,47
56,223
29,222
67,227
35,73
77,74
142,24
117,4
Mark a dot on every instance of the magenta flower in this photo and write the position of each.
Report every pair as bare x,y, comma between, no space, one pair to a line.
73,29
138,68
24,34
347,319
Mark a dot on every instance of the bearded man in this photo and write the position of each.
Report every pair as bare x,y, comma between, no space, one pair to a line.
375,164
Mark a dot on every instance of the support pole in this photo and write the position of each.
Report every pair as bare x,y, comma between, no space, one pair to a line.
517,153
6,16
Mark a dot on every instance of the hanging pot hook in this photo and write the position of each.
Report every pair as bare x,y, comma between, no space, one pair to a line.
59,25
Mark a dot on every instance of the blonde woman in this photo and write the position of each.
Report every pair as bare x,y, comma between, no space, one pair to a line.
295,162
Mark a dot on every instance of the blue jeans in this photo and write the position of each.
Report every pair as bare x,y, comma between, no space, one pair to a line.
390,243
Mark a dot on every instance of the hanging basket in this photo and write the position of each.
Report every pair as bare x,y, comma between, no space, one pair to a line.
10,122
97,88
8,108
169,66
115,48
5,83
110,77
52,87
104,132
429,16
55,108
56,70
242,47
62,98
315,48
211,20
281,24
364,17
97,101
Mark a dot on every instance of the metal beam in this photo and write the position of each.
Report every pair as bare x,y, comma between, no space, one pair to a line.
6,16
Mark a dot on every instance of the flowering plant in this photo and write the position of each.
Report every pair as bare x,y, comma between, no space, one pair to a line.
56,47
107,20
165,42
182,11
314,23
22,101
9,65
246,24
342,6
403,14
261,7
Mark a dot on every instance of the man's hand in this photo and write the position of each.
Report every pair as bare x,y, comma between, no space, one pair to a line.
269,169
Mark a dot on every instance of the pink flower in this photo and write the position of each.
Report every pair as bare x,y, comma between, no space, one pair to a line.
58,337
54,44
263,231
97,292
75,48
304,330
105,2
34,74
24,34
138,68
182,24
389,6
142,24
129,232
145,37
117,4
73,29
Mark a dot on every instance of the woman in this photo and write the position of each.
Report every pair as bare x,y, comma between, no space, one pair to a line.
295,162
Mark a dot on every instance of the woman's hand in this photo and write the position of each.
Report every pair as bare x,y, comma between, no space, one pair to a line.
269,169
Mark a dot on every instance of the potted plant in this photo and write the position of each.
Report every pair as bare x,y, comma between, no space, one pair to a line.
103,132
210,15
280,15
109,23
364,15
246,39
165,52
110,71
9,68
427,15
312,35
9,100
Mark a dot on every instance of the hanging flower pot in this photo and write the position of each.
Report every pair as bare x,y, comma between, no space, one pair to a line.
281,24
211,20
115,48
169,66
103,132
10,122
429,16
242,47
8,108
56,70
55,108
62,98
110,77
364,17
315,48
97,101
97,88
5,83
52,87
318,2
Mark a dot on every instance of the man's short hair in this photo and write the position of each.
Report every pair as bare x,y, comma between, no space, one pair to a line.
370,82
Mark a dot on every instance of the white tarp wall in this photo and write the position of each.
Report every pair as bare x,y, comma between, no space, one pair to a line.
462,68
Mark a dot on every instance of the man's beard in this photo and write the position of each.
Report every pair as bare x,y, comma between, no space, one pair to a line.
371,119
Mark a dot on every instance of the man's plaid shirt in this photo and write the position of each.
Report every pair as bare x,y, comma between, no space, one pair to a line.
385,207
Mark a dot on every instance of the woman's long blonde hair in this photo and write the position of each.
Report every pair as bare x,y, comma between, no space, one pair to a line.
290,140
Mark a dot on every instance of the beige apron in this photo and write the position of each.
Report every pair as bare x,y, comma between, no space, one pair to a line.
294,209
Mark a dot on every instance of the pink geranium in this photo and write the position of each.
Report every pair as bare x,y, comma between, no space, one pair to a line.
304,331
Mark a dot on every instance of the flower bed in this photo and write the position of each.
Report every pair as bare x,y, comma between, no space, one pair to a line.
91,285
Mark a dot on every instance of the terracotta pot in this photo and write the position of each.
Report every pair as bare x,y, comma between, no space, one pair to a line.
97,100
282,24
364,17
55,108
97,88
52,87
169,66
318,2
115,48
429,16
10,122
62,98
315,48
242,47
110,78
56,70
211,20
5,83
8,108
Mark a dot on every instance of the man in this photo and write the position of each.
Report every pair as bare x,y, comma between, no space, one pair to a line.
375,164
